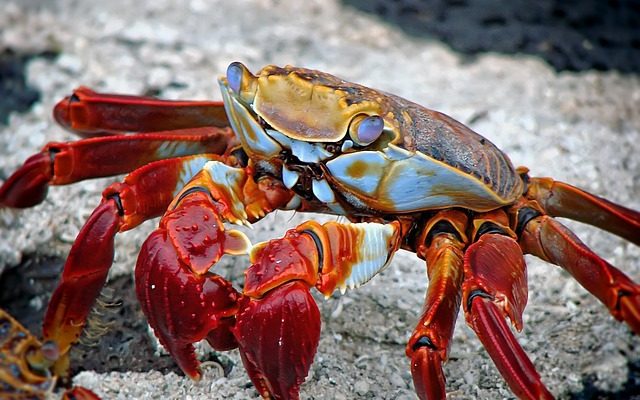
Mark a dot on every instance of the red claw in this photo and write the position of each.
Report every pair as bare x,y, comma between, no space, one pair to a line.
278,336
182,307
428,377
278,324
79,393
28,186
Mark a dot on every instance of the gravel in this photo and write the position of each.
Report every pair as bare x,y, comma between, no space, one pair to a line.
583,128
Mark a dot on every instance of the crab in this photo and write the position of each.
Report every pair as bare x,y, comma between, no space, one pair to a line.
25,362
404,176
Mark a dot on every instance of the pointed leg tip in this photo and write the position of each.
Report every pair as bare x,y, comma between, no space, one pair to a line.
514,364
428,377
29,184
629,311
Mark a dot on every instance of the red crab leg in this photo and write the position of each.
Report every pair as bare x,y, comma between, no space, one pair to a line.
65,163
563,200
495,286
89,113
183,302
546,238
278,324
144,194
79,393
429,343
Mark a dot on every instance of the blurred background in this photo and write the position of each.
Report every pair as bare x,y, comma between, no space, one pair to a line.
553,83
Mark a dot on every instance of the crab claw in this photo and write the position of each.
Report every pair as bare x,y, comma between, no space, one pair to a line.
182,307
278,324
183,301
278,336
28,186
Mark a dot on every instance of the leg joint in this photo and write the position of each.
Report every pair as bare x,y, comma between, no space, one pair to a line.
193,189
525,215
442,227
318,242
116,198
490,227
424,341
477,293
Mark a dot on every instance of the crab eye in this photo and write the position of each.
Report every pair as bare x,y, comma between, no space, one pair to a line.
234,76
365,129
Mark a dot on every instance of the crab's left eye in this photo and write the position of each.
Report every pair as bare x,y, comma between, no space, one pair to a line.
234,76
365,129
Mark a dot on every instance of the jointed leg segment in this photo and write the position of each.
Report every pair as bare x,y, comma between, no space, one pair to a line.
65,163
89,113
429,344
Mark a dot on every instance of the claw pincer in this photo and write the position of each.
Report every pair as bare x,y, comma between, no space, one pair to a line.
278,325
183,307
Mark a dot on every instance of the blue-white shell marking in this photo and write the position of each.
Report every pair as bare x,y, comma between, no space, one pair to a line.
396,180
189,168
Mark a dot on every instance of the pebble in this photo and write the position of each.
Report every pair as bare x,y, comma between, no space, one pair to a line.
361,387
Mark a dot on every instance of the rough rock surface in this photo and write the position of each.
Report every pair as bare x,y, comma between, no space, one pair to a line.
581,128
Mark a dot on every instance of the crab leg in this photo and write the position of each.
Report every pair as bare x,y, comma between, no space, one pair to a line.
65,163
546,238
278,324
89,113
563,200
144,194
430,342
495,286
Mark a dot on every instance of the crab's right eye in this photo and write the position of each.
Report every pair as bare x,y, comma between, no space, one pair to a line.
234,76
365,129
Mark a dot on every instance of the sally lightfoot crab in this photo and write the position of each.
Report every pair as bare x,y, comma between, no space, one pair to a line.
297,139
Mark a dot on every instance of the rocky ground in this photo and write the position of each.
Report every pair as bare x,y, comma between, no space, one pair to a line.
583,128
